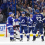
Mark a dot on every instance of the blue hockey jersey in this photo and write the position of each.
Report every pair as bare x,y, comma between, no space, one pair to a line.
38,18
30,22
23,21
10,21
44,20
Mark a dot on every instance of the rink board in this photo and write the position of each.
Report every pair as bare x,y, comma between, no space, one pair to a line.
3,30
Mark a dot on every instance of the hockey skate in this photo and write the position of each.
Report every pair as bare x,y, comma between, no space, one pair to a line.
21,39
34,39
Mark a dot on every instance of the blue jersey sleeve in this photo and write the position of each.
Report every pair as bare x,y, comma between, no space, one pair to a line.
16,20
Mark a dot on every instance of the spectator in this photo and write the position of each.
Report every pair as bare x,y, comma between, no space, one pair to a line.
35,7
11,7
1,17
4,1
30,3
43,11
0,2
26,5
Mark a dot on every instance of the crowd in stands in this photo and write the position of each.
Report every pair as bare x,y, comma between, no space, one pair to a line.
7,6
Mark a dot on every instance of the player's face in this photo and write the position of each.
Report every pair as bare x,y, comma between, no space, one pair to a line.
23,15
12,15
31,15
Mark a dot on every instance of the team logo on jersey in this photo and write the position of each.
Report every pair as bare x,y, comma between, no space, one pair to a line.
23,21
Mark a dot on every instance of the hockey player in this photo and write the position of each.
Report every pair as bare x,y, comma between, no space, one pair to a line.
38,18
10,25
23,26
30,24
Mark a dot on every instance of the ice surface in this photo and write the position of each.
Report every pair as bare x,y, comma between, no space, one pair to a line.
6,41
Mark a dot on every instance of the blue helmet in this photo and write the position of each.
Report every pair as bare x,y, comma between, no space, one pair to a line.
37,10
23,12
10,13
